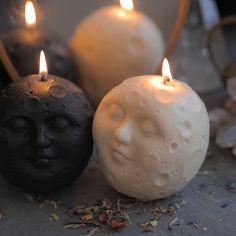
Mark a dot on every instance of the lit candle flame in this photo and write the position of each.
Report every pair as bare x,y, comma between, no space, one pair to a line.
43,64
127,4
30,15
166,72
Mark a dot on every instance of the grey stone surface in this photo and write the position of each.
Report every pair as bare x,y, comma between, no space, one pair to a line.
209,210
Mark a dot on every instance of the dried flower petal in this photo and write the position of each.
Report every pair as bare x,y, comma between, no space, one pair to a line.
55,217
87,217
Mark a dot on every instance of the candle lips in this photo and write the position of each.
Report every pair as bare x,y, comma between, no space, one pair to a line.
23,46
151,135
113,44
45,132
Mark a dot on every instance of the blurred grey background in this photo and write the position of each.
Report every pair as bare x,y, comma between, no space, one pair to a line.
62,16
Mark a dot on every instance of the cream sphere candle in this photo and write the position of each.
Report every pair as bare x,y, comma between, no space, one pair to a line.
151,136
113,44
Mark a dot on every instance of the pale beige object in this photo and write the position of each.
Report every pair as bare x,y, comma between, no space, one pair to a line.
111,45
151,138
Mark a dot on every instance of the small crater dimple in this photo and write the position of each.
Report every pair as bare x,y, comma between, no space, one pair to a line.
162,179
188,125
185,129
57,91
10,91
173,147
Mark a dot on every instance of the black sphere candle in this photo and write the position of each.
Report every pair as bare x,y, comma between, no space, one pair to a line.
45,133
24,45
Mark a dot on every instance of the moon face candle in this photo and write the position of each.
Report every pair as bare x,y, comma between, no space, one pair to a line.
151,138
45,133
113,44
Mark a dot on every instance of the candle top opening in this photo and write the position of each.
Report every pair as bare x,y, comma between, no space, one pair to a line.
30,15
127,4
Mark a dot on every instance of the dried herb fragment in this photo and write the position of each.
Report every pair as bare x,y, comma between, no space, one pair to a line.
193,224
87,217
151,223
174,223
103,217
74,226
92,232
55,217
117,223
231,187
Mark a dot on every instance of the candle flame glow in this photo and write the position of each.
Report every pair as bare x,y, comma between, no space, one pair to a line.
43,64
166,71
30,15
127,4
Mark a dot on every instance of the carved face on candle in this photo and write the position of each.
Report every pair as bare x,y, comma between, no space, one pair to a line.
148,136
45,133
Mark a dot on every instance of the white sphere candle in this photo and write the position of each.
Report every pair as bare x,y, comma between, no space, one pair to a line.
151,136
113,44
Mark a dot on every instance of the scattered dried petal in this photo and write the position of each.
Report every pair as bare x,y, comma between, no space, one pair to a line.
103,217
87,217
55,217
79,210
117,223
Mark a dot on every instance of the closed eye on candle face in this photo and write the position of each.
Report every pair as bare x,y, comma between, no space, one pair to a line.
19,125
59,123
116,112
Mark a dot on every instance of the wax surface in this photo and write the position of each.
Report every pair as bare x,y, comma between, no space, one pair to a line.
151,139
45,133
112,45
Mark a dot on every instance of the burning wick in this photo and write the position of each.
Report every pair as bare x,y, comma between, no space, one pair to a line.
166,73
43,70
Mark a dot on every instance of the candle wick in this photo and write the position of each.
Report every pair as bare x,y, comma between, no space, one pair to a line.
44,76
167,80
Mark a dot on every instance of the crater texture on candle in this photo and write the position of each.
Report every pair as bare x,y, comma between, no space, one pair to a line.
113,44
45,133
149,147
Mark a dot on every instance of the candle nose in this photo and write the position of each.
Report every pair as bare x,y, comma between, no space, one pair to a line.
43,141
124,133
